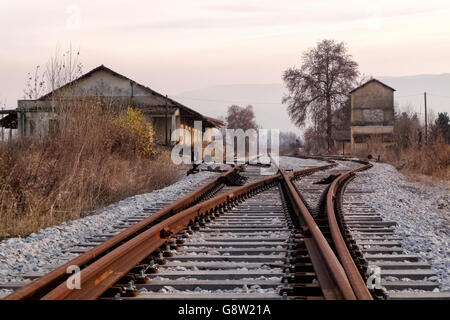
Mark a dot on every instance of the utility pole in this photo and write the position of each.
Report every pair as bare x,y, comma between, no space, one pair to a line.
426,120
167,116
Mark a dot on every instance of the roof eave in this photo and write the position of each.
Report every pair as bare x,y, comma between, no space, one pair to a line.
372,80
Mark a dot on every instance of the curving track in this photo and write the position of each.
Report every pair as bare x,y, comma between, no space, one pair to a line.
277,237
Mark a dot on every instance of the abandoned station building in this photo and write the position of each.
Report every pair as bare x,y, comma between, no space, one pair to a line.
372,116
37,117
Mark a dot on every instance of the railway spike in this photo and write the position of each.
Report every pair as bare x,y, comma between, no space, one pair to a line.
160,258
173,244
152,267
180,239
167,252
130,290
141,277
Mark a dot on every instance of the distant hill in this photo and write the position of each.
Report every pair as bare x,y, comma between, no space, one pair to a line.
265,98
271,113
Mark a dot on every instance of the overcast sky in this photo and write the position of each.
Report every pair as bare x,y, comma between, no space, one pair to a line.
178,45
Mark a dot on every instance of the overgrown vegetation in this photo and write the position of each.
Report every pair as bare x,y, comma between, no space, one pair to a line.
134,126
96,156
410,153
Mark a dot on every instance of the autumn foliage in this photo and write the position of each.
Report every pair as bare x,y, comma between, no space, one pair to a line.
97,156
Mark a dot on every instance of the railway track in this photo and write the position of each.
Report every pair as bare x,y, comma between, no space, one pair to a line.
277,237
401,275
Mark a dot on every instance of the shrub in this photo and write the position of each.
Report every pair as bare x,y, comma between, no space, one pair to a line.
91,161
140,131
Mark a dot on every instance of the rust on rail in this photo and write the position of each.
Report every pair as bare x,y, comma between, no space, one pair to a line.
330,273
39,287
357,283
106,264
94,280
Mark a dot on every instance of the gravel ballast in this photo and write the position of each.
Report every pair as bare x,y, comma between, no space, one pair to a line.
299,163
38,251
422,213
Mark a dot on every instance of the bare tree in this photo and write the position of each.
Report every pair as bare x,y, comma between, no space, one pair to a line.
63,68
241,118
60,70
35,85
315,140
321,84
342,116
407,129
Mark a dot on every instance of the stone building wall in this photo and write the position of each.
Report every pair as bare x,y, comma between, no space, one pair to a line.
372,114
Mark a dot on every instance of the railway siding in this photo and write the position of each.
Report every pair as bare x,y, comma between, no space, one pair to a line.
294,235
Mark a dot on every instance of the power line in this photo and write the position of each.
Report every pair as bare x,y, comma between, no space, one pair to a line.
437,95
226,101
411,95
279,103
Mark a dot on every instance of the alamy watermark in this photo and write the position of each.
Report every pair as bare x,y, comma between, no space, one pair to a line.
74,281
195,146
73,21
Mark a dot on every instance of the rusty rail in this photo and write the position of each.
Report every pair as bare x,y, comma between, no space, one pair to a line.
353,275
104,265
103,273
331,275
41,286
357,283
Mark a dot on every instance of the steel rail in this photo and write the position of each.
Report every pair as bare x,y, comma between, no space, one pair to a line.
41,286
331,275
357,283
44,287
106,271
104,265
96,278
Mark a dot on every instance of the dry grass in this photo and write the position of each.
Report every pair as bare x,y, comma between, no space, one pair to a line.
432,160
90,162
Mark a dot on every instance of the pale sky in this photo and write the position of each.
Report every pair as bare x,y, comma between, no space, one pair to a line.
179,45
